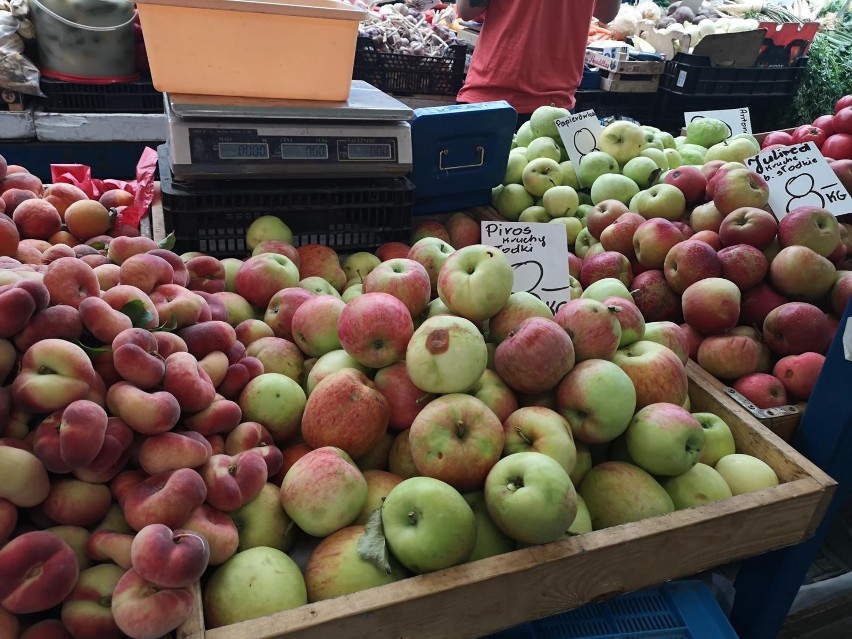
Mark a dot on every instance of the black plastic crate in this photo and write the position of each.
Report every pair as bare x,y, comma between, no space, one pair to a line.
672,106
402,74
641,107
119,97
693,75
347,215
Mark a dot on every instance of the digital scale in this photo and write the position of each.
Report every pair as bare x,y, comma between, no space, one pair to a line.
224,137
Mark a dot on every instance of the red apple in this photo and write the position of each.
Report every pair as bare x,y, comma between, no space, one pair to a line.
777,137
689,262
655,297
690,180
711,306
748,225
799,373
795,328
744,265
762,390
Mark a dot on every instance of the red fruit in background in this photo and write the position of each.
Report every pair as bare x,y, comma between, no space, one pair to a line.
843,121
843,170
842,103
826,123
777,137
838,146
762,390
769,147
799,373
809,133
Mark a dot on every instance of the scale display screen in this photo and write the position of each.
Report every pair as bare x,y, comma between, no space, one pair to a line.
243,151
369,151
293,151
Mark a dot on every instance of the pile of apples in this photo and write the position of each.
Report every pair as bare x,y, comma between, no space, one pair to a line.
832,135
173,420
696,245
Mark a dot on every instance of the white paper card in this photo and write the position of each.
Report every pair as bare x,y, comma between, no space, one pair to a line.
738,120
580,133
538,253
798,175
847,340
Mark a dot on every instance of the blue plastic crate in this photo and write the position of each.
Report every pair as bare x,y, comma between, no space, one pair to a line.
677,610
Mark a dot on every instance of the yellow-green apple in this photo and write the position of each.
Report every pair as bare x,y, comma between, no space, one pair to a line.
758,301
329,363
535,356
652,241
595,164
729,356
236,308
400,461
539,429
276,401
457,439
428,525
167,558
281,307
53,373
512,200
494,393
705,217
712,305
689,180
267,227
358,265
700,485
592,326
404,399
234,480
351,292
336,568
618,235
430,253
379,485
318,286
654,297
613,186
86,612
475,282
582,521
718,439
218,529
664,439
603,214
250,329
23,477
446,354
166,498
405,279
660,200
520,306
323,491
812,227
799,373
490,540
278,355
656,372
560,201
251,584
619,493
530,497
745,474
668,334
375,329
604,265
584,243
38,570
737,188
345,410
622,140
690,261
541,174
598,400
261,276
802,273
642,170
315,325
629,318
796,327
142,609
263,522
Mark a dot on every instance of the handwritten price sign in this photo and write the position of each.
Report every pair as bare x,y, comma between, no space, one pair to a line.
580,134
798,175
538,253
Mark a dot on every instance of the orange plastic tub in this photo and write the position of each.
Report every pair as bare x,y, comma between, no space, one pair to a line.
280,49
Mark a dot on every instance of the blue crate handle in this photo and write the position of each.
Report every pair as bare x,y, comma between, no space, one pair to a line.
445,152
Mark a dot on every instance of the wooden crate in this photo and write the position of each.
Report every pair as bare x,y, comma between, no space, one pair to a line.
620,75
484,596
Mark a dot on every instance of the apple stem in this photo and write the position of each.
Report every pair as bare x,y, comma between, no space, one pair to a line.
522,436
460,430
412,519
514,484
615,309
232,469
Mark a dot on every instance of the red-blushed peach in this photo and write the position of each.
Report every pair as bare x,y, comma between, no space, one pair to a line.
37,219
123,482
215,307
169,559
143,611
81,433
47,629
180,276
168,343
23,477
281,308
317,260
177,305
87,611
9,625
38,570
118,296
173,450
17,306
9,236
72,502
206,273
279,355
64,195
105,366
97,391
251,330
113,455
60,321
77,537
233,481
13,197
53,374
136,358
28,253
8,519
64,237
108,275
238,375
57,251
19,420
220,416
218,529
87,219
108,545
18,177
81,250
216,365
46,444
246,436
8,358
116,197
102,320
70,281
217,442
145,271
188,383
122,247
202,339
146,413
113,521
167,498
95,260
236,353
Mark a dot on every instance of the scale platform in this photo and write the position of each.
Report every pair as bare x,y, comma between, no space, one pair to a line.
216,137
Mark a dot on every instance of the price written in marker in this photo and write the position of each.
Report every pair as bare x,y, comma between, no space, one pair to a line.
737,120
538,254
798,175
580,134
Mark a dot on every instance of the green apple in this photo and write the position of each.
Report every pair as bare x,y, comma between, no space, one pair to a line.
667,139
583,464
575,289
569,175
718,439
447,354
515,168
613,187
665,439
691,154
623,140
583,242
521,150
661,200
573,227
679,141
490,540
232,265
428,525
351,292
534,214
619,493
673,158
267,227
642,170
745,474
540,175
524,135
544,148
563,152
358,265
542,430
583,213
495,192
595,164
530,497
329,363
561,201
318,286
652,141
511,201
732,150
543,120
263,522
521,305
583,521
701,484
607,287
275,401
253,583
746,136
476,281
585,198
706,132
379,485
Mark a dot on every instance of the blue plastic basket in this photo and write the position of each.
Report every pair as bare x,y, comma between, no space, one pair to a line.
677,610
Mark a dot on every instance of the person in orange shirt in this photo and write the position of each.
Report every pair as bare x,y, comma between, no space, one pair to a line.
530,52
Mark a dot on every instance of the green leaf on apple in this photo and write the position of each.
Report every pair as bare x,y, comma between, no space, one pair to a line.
372,546
93,351
167,242
167,327
139,316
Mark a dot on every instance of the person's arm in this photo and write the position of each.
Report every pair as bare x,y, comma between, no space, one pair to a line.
606,10
470,9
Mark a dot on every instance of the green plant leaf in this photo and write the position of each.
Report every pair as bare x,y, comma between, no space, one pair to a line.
92,351
167,242
167,327
372,545
139,316
99,246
